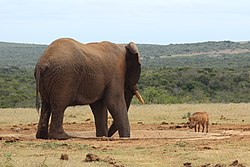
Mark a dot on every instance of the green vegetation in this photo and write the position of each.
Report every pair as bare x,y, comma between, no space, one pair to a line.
175,73
17,87
196,85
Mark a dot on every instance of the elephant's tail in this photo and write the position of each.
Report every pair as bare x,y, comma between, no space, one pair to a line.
37,76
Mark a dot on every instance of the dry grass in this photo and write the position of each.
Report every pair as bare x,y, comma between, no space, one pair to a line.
132,153
232,113
148,114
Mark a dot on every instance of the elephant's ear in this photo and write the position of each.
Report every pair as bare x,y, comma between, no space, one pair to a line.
131,47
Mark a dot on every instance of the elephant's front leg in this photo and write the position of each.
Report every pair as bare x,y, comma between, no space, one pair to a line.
101,118
42,131
56,130
128,98
118,110
112,129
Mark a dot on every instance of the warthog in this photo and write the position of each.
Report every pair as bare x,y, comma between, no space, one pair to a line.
199,118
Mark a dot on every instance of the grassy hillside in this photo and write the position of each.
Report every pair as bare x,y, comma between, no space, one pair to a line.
19,55
176,73
208,54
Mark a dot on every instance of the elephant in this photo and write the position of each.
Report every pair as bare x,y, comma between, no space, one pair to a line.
103,75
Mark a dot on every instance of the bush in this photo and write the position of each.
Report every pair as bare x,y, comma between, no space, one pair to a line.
153,95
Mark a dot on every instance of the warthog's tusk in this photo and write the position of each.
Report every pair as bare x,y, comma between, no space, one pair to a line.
137,94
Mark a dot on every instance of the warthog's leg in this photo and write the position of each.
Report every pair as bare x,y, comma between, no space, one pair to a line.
199,127
203,127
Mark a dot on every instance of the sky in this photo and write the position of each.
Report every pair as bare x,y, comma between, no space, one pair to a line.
142,21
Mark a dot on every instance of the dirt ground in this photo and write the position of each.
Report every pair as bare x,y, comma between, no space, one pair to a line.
140,131
159,138
143,135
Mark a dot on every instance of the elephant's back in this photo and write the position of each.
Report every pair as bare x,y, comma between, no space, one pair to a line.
64,48
73,57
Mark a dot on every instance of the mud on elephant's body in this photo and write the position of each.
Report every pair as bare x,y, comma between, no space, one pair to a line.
103,75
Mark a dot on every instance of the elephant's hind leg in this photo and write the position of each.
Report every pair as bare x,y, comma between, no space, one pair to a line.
56,130
101,118
42,131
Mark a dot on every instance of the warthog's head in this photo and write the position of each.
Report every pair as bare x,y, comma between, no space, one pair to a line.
191,123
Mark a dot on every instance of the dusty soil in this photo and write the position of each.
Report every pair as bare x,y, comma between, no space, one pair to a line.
139,131
142,135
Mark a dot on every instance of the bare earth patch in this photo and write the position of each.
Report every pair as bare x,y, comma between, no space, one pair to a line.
80,131
155,135
158,138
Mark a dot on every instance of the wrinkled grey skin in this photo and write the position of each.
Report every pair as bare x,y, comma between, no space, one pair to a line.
103,75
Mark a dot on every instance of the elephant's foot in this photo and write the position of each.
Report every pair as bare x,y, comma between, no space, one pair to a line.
125,136
124,133
42,134
102,134
59,136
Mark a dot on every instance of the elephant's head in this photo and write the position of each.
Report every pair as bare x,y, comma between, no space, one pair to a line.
133,71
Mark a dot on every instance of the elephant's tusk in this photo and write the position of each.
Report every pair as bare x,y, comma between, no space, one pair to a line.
137,94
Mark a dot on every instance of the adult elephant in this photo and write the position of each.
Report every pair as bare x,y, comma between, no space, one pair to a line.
103,75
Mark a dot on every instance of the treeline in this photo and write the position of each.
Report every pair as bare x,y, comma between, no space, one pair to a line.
19,55
205,54
196,85
209,72
157,86
155,51
17,87
200,61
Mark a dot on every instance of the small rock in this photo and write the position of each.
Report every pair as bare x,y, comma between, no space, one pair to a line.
64,157
206,165
220,165
16,129
11,139
205,148
110,160
178,126
96,147
140,122
187,164
234,163
91,157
